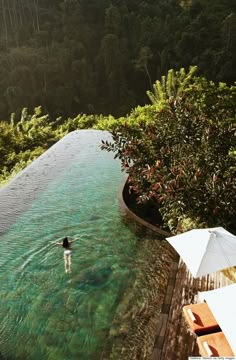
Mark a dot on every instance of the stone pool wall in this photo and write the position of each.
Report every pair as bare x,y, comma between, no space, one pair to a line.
140,314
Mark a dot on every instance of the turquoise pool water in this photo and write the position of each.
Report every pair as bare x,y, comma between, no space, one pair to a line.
46,311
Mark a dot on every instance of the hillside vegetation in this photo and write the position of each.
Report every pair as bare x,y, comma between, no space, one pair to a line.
62,63
179,151
100,56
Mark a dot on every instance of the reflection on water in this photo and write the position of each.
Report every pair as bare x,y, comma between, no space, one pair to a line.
45,312
19,194
67,262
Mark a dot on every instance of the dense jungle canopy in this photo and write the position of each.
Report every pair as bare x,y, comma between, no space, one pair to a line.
101,56
74,64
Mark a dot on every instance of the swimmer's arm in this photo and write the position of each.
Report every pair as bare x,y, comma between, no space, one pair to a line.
73,240
58,243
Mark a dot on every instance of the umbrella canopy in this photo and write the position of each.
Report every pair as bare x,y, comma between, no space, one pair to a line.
222,304
205,250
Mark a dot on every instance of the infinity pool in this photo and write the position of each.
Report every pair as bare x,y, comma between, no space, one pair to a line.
48,311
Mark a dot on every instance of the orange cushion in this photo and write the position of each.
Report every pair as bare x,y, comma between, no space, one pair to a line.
205,321
217,343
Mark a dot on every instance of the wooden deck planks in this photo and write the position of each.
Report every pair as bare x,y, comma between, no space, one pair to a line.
174,341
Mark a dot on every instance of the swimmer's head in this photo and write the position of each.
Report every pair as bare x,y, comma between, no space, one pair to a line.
65,242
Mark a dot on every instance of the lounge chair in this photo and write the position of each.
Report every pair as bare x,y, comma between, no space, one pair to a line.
214,345
200,319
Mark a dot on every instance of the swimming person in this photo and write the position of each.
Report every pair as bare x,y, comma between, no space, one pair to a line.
66,244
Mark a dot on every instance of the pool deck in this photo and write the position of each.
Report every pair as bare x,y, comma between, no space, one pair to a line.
173,339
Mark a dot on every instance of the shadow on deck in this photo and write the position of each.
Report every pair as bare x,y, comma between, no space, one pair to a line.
173,339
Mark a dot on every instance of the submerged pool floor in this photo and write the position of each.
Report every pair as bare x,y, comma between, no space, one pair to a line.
47,310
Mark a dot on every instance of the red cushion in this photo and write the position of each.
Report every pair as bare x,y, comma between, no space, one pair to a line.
205,320
217,343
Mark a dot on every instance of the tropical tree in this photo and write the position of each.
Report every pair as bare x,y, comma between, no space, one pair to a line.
178,151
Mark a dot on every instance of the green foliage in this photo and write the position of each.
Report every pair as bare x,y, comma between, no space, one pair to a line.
172,85
180,151
26,137
100,57
81,121
17,162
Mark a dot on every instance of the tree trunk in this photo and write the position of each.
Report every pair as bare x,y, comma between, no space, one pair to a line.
36,15
5,21
148,75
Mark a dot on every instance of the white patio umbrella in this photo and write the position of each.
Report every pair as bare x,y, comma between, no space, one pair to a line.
222,304
205,250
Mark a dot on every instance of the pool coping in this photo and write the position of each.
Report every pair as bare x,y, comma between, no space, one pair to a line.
124,207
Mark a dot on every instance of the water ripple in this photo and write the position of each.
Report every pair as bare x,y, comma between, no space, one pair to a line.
45,312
